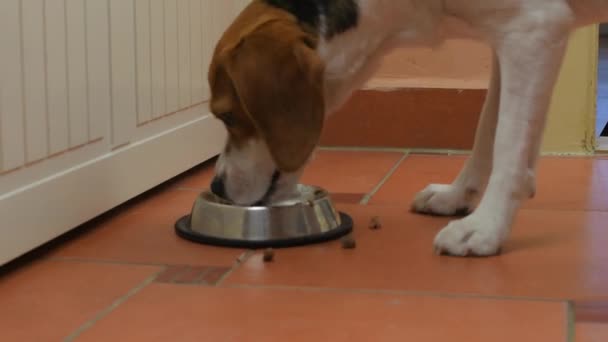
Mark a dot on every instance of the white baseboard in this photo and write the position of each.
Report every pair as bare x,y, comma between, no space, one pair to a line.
40,212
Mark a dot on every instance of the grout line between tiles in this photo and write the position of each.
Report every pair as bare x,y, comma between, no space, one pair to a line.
439,151
239,261
242,258
396,149
105,312
571,322
183,269
396,292
201,277
365,200
102,261
445,152
363,149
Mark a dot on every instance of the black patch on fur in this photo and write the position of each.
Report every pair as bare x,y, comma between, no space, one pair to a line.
340,15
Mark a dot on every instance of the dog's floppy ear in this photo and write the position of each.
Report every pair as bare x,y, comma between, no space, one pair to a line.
278,78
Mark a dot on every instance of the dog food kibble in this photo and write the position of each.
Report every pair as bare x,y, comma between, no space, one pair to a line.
348,242
268,255
375,223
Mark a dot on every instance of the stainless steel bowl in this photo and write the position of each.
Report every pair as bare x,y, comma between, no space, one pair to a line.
310,219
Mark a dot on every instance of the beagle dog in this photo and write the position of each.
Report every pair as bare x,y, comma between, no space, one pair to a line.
284,66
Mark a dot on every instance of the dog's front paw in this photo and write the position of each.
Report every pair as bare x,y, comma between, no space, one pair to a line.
443,200
468,237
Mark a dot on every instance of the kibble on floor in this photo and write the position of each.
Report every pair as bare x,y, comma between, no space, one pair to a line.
268,255
348,242
375,223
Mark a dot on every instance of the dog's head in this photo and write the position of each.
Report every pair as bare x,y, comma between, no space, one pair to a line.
266,87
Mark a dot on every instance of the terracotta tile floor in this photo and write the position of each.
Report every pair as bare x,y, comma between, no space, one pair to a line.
127,277
591,332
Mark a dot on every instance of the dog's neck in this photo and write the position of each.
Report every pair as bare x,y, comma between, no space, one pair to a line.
352,56
354,35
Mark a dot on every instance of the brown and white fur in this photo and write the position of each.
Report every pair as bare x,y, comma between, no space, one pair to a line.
275,80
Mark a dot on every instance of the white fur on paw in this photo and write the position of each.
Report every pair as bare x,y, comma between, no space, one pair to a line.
468,237
442,199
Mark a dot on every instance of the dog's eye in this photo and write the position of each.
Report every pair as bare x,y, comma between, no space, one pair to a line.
229,119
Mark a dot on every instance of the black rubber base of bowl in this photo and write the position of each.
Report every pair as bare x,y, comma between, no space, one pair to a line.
182,229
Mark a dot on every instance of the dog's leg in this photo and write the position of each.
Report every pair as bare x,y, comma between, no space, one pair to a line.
451,199
530,60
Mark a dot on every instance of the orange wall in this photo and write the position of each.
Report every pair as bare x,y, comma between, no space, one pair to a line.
456,64
466,65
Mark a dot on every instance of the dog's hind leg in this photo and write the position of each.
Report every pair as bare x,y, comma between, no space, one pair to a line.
530,52
459,197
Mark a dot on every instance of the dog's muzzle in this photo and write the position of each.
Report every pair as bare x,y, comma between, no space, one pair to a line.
271,188
218,188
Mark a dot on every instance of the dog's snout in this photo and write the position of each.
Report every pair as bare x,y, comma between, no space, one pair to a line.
218,187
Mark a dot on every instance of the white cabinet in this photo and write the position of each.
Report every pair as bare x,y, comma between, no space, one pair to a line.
100,100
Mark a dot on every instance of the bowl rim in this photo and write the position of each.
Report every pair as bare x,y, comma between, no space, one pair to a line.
212,199
184,230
